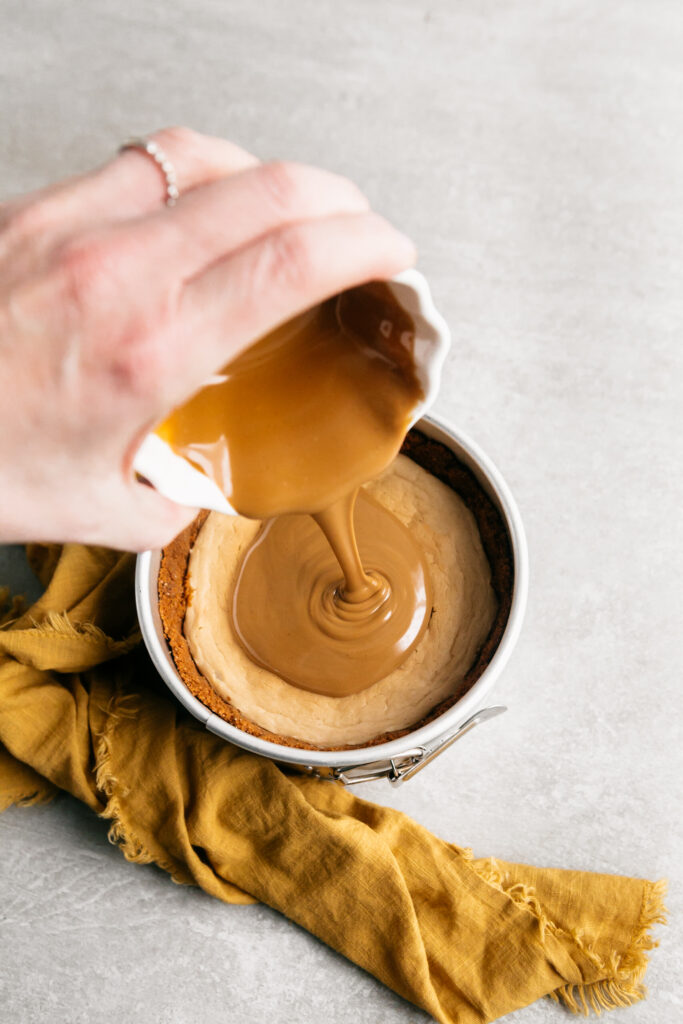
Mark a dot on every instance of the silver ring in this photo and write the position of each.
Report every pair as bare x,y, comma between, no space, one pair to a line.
154,150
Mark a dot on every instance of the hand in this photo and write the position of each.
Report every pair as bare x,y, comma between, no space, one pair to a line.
115,308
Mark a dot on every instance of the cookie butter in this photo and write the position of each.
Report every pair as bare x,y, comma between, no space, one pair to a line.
288,586
463,601
294,425
310,411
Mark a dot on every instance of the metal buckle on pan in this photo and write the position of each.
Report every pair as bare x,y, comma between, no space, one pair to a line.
404,766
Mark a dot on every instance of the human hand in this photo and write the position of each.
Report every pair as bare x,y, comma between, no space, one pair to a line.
115,308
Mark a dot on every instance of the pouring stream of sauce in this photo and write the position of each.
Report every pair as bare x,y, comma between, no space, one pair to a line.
334,593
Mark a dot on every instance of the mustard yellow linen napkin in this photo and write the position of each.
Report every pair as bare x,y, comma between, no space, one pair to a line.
81,709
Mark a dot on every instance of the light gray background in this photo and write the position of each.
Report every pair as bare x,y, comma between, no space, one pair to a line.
533,150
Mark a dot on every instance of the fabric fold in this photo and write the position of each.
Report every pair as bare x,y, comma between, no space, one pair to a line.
82,710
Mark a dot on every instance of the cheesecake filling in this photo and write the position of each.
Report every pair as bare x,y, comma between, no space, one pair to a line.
462,607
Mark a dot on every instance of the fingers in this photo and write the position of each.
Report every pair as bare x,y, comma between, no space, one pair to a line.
250,292
137,185
129,185
136,518
147,520
210,222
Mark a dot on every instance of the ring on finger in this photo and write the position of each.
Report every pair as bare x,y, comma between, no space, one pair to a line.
153,150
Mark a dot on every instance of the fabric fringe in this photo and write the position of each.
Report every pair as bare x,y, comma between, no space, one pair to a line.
27,799
119,834
622,985
59,624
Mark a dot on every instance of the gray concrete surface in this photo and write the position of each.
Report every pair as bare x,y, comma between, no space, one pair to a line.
534,153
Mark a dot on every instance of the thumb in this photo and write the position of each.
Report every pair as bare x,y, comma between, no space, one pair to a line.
153,520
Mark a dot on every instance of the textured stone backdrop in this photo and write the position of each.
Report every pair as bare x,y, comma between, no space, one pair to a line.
533,150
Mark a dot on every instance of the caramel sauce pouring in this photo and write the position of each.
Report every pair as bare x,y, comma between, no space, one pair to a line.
333,594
